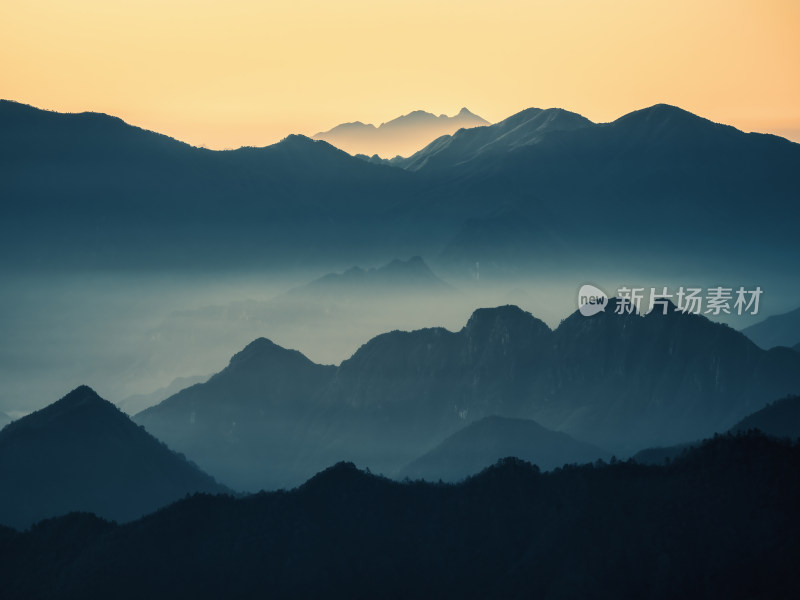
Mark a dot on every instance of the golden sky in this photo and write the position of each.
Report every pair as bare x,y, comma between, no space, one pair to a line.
242,72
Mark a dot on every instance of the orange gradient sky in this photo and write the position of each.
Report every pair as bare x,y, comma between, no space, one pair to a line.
241,72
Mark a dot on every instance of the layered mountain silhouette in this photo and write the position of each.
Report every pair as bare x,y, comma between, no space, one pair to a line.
401,136
4,419
777,330
89,190
484,442
722,522
621,382
248,425
580,184
779,419
528,127
98,190
82,454
398,275
138,402
330,313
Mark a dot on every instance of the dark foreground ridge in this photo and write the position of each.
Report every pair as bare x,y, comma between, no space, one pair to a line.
720,522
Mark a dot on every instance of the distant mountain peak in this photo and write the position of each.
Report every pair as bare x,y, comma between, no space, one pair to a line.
413,272
401,136
413,264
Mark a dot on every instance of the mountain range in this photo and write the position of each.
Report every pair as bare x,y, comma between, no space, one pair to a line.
399,137
721,522
82,454
619,381
88,190
331,316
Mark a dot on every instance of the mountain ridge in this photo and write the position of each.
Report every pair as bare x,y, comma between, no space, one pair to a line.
607,530
484,442
81,453
400,136
560,174
620,382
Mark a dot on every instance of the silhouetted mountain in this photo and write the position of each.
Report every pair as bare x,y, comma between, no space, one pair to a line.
401,136
248,423
134,196
484,442
579,182
720,523
4,419
82,454
675,376
780,418
334,312
621,382
468,145
88,190
777,330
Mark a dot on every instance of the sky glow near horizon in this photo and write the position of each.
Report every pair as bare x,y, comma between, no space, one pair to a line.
250,73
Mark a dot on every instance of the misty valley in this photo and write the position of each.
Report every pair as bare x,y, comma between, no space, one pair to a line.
294,372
